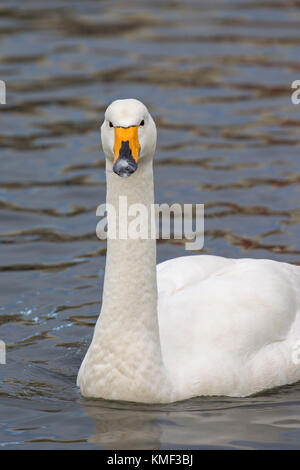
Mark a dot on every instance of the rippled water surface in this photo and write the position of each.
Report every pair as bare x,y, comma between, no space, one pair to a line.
216,75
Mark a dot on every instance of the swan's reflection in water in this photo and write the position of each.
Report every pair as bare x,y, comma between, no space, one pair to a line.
198,423
118,426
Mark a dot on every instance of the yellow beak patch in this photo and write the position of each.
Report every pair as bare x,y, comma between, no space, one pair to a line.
129,135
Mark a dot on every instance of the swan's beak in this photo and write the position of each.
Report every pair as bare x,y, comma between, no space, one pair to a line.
126,150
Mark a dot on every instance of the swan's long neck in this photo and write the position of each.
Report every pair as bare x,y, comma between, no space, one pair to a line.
130,290
127,332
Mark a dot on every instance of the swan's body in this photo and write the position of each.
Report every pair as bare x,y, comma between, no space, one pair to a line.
218,326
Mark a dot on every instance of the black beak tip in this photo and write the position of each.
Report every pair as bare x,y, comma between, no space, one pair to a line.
124,172
125,164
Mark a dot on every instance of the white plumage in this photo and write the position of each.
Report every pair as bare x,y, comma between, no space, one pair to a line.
218,326
234,323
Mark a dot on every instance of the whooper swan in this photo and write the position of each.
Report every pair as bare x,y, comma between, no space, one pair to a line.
191,326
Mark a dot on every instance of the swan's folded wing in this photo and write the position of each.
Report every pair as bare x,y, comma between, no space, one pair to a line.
226,322
178,273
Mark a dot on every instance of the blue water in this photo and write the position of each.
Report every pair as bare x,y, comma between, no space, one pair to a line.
217,78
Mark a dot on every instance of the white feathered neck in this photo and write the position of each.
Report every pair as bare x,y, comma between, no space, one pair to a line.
125,354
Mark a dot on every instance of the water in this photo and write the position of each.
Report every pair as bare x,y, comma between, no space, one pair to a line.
217,78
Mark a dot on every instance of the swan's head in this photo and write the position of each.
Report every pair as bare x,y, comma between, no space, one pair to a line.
128,135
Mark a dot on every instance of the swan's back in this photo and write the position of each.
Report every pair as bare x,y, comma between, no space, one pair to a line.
229,327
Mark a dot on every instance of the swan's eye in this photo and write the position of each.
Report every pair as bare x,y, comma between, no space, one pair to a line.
142,122
110,124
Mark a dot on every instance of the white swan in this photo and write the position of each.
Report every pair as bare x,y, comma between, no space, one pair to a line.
218,326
